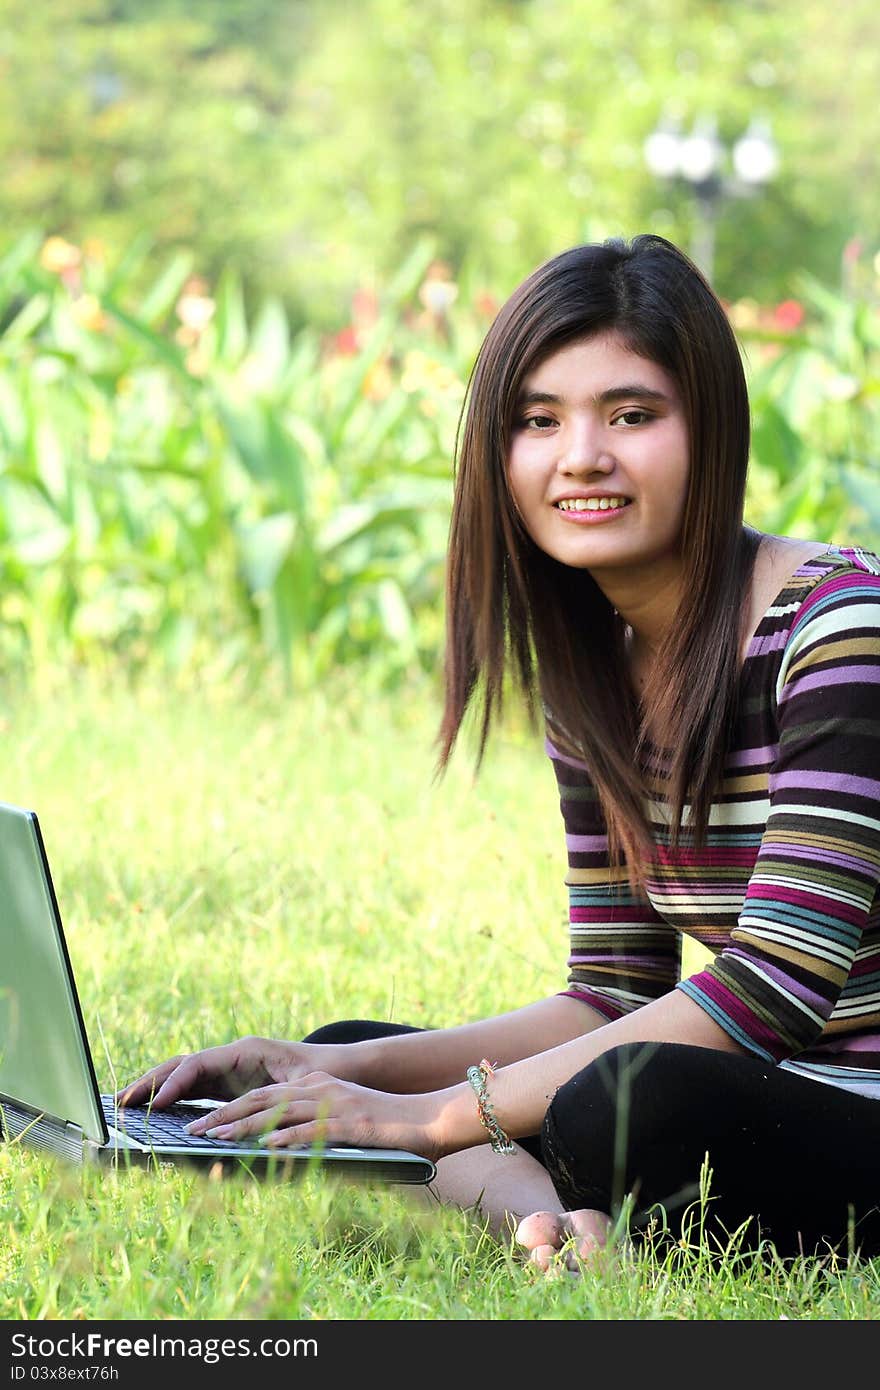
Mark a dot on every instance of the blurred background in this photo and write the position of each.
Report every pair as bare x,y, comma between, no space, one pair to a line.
248,252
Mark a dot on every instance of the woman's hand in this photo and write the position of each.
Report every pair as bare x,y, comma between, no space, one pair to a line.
319,1108
223,1072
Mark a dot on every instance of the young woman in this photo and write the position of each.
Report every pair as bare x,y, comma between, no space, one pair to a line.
710,697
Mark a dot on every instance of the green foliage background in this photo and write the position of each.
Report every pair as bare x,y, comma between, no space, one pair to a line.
248,251
228,400
312,143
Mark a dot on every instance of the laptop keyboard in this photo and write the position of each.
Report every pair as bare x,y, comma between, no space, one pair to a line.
160,1127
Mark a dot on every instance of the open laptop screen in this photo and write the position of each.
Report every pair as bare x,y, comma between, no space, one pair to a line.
44,1061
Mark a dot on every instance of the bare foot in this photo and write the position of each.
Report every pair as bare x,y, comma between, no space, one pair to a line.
563,1239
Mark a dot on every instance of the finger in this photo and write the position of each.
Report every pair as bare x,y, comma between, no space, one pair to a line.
193,1076
189,1074
279,1095
252,1102
262,1122
318,1132
140,1090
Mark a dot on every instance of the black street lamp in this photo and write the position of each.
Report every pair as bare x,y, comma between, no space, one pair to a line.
696,159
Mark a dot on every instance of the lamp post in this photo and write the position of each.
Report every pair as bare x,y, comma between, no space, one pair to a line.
696,159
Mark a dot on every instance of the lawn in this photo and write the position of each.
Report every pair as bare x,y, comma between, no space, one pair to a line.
233,860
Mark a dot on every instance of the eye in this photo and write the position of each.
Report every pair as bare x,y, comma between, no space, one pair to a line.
536,423
630,418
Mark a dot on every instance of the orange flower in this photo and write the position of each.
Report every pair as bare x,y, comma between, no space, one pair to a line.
852,251
788,315
88,313
486,304
347,342
364,308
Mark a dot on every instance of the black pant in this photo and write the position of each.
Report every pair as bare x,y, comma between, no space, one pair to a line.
795,1161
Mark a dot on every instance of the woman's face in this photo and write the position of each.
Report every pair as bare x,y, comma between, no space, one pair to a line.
598,421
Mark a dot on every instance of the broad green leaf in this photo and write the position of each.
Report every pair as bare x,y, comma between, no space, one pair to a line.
230,319
162,349
346,522
309,440
359,520
176,636
270,342
800,385
407,279
165,292
18,258
284,461
133,258
775,443
13,415
864,489
29,317
247,428
49,457
42,547
350,392
394,611
303,366
86,517
829,302
264,546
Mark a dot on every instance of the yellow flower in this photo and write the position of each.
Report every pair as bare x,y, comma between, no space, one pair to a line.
378,382
94,250
423,373
59,255
100,436
197,363
414,375
88,313
745,313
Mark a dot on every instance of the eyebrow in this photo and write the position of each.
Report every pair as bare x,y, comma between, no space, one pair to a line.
609,397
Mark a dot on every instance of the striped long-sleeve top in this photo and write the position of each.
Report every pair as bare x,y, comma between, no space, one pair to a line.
785,893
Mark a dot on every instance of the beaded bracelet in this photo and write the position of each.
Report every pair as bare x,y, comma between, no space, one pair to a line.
498,1140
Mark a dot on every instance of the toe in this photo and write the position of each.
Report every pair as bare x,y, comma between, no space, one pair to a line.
539,1229
589,1227
544,1256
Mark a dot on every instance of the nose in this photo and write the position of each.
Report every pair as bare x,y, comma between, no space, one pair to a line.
584,449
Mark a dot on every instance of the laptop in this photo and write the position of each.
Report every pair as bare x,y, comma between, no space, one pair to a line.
49,1097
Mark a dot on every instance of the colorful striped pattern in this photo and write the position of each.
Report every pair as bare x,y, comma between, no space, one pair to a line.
785,892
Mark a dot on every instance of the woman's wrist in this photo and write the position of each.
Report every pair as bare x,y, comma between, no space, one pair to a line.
381,1064
451,1120
359,1063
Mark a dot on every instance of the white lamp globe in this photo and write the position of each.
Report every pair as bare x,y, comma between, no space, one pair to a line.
700,155
755,157
662,151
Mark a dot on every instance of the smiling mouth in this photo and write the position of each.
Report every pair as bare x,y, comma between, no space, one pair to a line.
584,504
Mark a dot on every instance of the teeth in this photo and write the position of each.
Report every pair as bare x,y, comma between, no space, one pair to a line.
591,504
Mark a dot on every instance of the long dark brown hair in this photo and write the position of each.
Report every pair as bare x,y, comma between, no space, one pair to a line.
511,608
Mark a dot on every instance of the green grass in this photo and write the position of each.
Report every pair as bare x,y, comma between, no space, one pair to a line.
230,862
